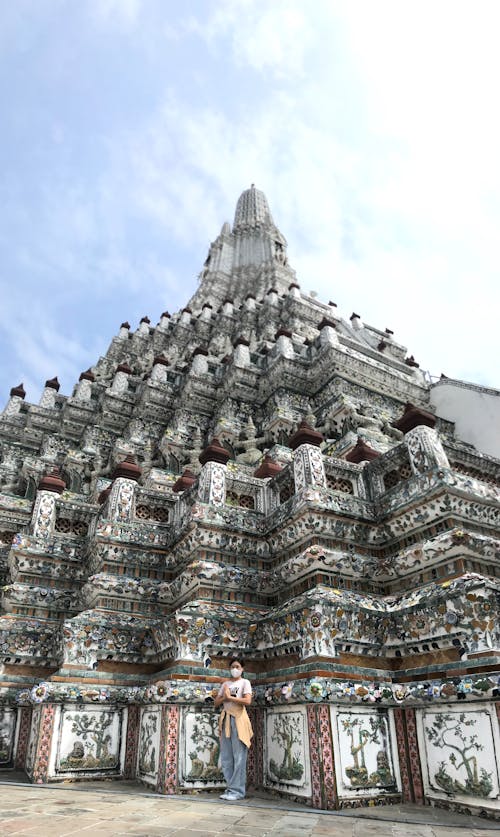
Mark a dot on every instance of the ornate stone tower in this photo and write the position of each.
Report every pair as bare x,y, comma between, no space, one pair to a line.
254,474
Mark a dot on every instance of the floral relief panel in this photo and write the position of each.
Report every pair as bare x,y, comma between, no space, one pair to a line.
287,751
200,749
365,752
8,720
149,744
89,740
460,753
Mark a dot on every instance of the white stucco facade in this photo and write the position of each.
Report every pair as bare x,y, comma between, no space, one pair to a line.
474,409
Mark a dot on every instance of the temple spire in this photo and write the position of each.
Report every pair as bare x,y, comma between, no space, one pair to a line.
250,257
252,210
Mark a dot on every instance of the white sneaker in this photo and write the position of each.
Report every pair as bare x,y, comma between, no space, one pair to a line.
232,797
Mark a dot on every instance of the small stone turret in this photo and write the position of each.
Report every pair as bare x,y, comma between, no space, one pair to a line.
124,331
17,396
159,370
120,380
49,393
83,390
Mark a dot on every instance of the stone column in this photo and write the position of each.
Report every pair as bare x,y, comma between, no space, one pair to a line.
212,480
206,312
294,290
241,354
356,321
45,733
143,329
44,510
164,320
121,497
422,441
159,370
120,381
308,468
84,387
272,296
17,396
327,333
49,393
199,363
124,331
185,318
425,450
268,469
284,345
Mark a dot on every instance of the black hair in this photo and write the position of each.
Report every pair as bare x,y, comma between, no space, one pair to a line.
236,660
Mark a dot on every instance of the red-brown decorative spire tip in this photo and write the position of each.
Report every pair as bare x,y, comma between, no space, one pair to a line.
354,316
305,435
267,468
103,496
162,360
124,367
410,361
19,391
326,322
185,481
128,469
214,452
165,314
87,376
282,332
414,417
52,482
145,320
361,452
125,325
53,383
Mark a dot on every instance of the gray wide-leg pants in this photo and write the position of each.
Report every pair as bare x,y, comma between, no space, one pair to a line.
233,756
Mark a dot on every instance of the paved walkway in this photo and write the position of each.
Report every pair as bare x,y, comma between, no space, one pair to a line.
83,810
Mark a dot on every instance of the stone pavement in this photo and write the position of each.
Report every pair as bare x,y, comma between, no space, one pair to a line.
85,810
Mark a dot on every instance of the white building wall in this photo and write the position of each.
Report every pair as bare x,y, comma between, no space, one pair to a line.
475,411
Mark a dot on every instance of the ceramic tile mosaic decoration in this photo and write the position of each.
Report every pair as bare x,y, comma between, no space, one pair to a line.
254,475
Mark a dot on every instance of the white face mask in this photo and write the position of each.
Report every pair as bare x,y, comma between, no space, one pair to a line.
235,672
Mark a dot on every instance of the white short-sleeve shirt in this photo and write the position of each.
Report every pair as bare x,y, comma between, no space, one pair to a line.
237,688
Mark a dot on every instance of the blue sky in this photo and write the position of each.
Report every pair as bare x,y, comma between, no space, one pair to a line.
130,127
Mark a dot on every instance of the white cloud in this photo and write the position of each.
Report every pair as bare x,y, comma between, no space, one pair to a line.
363,228
115,13
269,37
375,141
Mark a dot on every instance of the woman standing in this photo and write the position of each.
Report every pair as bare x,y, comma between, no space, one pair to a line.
235,730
